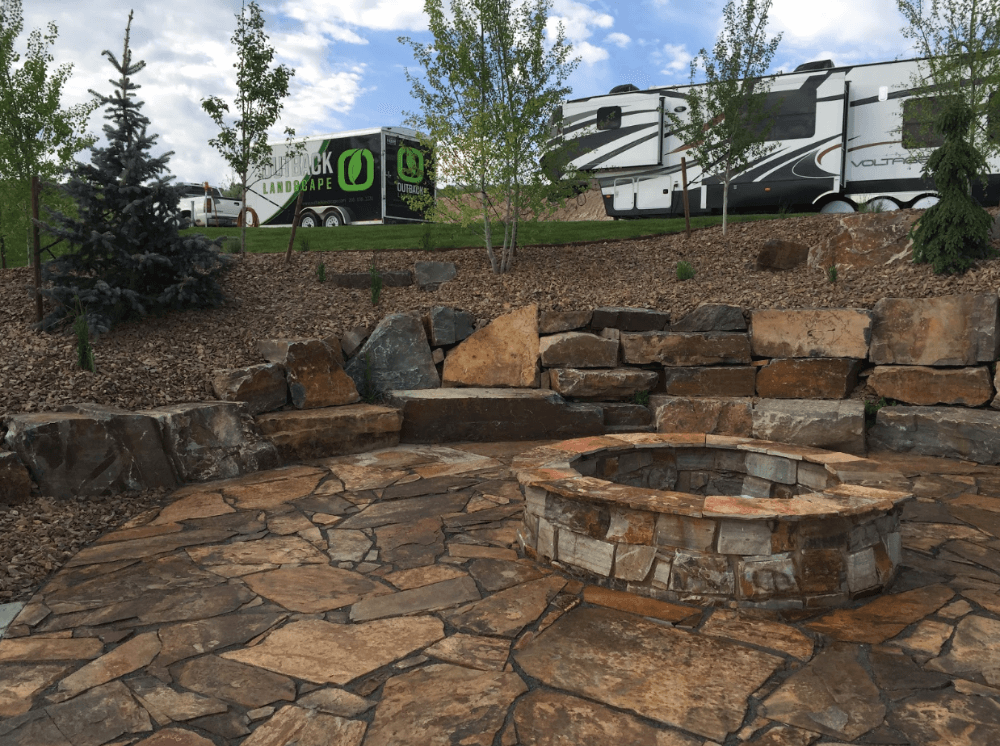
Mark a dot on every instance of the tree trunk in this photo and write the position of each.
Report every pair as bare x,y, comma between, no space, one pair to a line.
488,233
725,202
243,208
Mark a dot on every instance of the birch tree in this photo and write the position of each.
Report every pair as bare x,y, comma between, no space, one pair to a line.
489,86
726,126
258,104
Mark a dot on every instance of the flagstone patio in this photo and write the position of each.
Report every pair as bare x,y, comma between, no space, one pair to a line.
381,599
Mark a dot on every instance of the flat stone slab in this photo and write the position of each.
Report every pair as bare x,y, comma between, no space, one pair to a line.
833,695
314,588
883,617
631,663
489,414
506,613
553,719
423,702
945,432
441,595
232,681
327,653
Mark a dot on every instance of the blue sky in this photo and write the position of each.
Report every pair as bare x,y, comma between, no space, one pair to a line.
350,66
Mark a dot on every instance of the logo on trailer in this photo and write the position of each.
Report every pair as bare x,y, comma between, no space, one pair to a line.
410,165
350,166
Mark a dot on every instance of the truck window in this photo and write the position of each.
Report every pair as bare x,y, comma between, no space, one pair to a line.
918,122
793,114
609,117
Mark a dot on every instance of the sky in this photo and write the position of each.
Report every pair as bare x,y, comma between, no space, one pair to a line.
350,68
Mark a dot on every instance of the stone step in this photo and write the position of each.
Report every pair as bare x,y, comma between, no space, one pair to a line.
491,414
331,431
948,432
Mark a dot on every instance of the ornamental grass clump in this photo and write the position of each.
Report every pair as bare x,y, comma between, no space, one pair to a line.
84,350
952,234
831,273
684,271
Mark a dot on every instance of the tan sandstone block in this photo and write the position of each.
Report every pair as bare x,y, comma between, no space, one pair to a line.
811,332
578,350
950,330
720,415
685,348
719,381
924,385
811,378
502,354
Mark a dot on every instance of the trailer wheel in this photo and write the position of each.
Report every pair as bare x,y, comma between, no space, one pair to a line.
332,219
837,207
926,201
882,204
254,220
309,219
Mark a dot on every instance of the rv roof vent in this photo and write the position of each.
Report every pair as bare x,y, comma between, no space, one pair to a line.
627,88
814,65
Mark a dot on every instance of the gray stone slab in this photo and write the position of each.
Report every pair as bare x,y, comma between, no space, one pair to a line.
432,597
947,432
395,356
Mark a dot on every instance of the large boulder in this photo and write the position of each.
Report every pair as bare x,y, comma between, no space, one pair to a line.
620,384
779,255
503,353
808,378
866,240
477,414
15,482
947,432
833,425
431,275
712,317
719,415
261,387
314,371
395,356
578,350
448,325
212,440
630,319
685,348
811,332
950,330
91,451
917,384
553,322
332,431
722,380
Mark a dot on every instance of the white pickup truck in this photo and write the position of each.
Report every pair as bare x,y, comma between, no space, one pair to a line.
203,205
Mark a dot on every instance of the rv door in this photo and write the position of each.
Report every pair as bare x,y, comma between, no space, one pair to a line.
619,131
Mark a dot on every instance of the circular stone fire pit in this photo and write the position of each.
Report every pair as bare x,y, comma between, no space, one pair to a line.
710,519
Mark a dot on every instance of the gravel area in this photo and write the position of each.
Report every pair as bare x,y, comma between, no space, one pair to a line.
170,359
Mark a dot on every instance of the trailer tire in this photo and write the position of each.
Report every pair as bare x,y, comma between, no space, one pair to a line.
332,219
928,200
309,219
254,220
838,206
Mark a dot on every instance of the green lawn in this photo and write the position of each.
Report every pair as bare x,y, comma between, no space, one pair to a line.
441,236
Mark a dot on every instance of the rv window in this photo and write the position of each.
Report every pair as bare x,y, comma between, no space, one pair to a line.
609,117
918,122
792,114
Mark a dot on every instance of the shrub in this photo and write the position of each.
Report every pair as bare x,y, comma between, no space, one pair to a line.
831,273
955,232
684,271
641,398
126,257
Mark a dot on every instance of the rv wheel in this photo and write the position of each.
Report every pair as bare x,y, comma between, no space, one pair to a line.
332,219
924,202
837,206
308,220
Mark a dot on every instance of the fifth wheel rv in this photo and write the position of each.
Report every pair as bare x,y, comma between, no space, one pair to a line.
349,178
845,137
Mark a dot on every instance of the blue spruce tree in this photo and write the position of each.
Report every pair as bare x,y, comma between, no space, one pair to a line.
127,258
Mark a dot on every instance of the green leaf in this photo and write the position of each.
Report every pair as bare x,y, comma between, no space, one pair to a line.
354,167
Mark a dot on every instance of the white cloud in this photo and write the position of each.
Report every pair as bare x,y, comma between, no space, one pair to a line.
579,21
379,15
861,30
619,39
676,59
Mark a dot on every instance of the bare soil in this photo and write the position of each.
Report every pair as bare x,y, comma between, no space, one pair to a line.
170,359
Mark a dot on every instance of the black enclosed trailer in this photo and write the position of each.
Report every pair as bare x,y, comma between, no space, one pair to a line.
358,177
